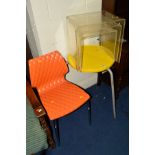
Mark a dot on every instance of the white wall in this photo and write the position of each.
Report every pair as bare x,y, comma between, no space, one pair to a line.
47,18
30,36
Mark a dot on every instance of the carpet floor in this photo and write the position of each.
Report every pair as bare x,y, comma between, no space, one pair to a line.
105,136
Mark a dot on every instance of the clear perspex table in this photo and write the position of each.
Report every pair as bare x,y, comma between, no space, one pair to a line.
94,40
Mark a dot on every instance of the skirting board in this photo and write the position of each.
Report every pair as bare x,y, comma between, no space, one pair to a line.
88,82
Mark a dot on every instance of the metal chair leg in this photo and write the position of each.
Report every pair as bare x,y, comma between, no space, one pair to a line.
89,112
56,127
113,92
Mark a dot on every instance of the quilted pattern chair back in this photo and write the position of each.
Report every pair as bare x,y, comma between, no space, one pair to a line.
58,96
47,71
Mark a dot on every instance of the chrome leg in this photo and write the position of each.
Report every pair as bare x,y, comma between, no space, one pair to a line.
56,127
113,92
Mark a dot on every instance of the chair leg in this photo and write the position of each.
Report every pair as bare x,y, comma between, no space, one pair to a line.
99,76
56,127
89,112
113,92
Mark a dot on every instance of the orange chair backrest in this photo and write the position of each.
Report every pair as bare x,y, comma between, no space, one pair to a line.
48,69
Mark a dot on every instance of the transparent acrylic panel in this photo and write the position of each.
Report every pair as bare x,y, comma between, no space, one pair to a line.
118,45
101,29
92,42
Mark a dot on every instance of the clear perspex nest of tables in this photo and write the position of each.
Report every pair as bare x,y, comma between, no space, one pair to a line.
94,40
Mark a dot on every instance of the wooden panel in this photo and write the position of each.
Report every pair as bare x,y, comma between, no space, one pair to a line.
108,5
120,70
28,56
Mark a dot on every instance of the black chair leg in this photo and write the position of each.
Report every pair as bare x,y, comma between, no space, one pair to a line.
99,78
89,112
56,127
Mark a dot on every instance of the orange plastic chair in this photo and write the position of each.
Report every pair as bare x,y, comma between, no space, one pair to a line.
58,96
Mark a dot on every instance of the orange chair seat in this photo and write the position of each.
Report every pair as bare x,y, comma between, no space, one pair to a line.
59,96
62,100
